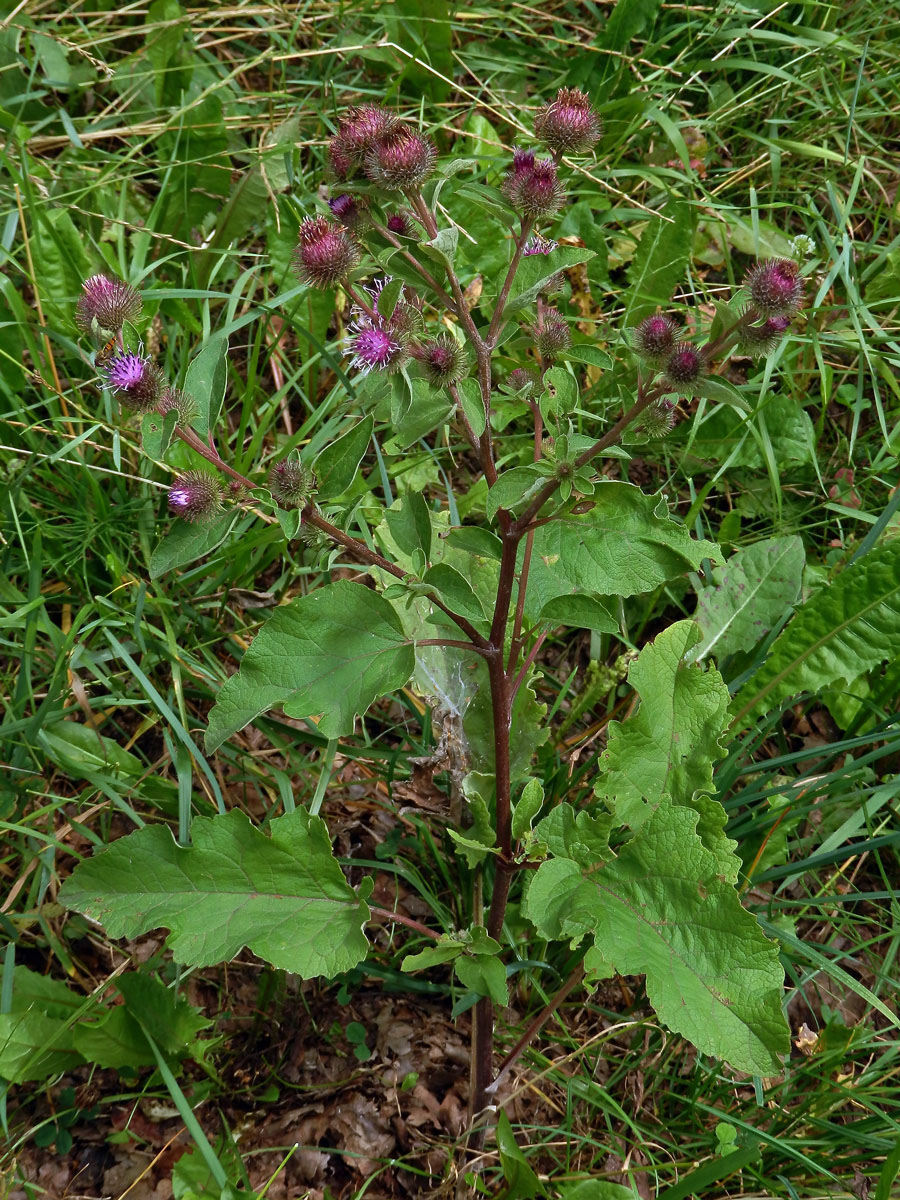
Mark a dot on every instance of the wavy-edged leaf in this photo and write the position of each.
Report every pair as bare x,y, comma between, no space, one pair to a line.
284,897
847,628
328,654
668,747
748,596
663,910
626,544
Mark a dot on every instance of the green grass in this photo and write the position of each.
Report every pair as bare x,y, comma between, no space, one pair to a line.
180,151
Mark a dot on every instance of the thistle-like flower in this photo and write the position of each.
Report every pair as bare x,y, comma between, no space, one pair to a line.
400,160
379,343
358,131
135,378
175,400
106,304
761,339
349,210
539,245
775,287
654,338
568,124
551,334
444,360
683,368
196,496
325,253
291,483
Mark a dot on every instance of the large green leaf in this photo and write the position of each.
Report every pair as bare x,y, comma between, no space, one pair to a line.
338,463
668,747
659,261
205,381
186,541
330,653
284,897
662,909
748,596
626,544
845,629
536,270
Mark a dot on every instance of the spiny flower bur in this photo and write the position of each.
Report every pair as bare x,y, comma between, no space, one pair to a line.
683,368
568,124
325,253
135,378
358,131
400,161
351,211
444,360
775,287
532,186
654,338
175,400
196,496
551,334
524,380
659,418
105,304
291,483
762,337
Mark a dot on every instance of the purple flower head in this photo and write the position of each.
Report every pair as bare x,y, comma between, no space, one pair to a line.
654,338
775,287
325,253
683,368
539,245
349,211
196,496
551,334
400,160
444,360
135,379
378,343
762,338
569,123
106,304
291,483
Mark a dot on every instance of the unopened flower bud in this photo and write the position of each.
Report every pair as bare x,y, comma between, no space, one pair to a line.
175,400
568,124
522,378
135,378
654,338
400,160
291,483
106,304
350,211
400,224
761,338
551,334
444,360
775,287
325,253
532,186
659,418
683,368
196,496
358,131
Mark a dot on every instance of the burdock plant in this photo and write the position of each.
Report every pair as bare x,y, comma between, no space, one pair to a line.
640,877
